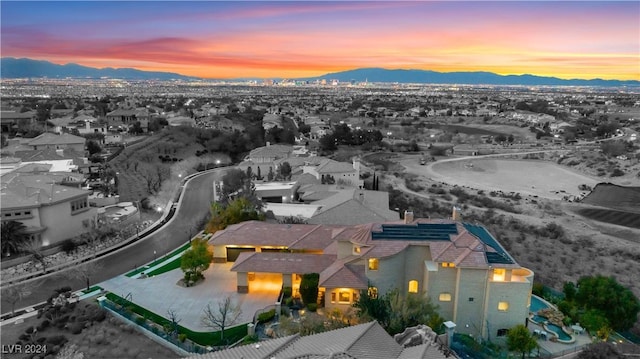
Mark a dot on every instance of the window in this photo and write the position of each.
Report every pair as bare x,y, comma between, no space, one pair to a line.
413,286
373,292
503,306
344,297
448,265
373,263
498,274
333,297
445,297
78,205
471,299
356,250
502,332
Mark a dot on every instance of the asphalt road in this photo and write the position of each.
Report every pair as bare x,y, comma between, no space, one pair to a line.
196,202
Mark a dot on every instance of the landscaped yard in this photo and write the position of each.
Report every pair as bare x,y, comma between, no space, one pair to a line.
108,339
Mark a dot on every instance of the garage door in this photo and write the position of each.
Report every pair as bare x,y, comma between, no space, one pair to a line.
233,253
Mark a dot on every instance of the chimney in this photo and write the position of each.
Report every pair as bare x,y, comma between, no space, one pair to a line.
456,215
268,143
408,217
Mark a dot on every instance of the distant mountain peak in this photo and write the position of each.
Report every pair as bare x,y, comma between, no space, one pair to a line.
28,68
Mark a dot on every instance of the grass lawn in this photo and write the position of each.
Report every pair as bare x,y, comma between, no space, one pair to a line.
94,288
170,265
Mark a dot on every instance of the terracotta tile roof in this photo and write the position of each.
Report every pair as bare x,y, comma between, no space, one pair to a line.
19,190
258,233
48,138
318,238
364,341
342,274
331,166
274,262
261,350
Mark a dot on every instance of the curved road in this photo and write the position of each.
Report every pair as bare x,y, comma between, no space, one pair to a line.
195,203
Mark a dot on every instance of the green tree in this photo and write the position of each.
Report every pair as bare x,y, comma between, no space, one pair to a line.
285,170
593,320
234,182
14,236
239,210
519,339
93,147
371,306
410,310
615,302
328,143
570,291
195,260
309,287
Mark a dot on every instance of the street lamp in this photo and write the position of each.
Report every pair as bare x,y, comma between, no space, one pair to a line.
154,255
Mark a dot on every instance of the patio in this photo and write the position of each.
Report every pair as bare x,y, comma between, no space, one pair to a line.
161,293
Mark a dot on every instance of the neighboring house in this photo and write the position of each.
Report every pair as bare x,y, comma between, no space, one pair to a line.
363,341
330,172
125,118
51,210
12,120
58,142
269,153
461,267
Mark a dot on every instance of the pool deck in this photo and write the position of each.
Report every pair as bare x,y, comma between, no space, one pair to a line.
556,347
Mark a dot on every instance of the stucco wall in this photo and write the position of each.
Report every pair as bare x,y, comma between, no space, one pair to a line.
61,224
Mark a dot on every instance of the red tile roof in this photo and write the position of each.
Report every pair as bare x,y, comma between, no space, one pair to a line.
274,262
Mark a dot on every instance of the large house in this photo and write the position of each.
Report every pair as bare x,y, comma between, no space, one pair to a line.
330,171
461,267
58,142
51,206
124,118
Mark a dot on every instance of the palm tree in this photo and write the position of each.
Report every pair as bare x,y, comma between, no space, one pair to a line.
14,235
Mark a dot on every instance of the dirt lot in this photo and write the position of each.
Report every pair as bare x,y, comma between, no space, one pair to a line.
586,247
536,178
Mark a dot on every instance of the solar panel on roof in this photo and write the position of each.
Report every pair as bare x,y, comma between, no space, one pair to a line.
419,232
500,256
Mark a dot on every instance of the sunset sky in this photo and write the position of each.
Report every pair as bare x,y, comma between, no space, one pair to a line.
577,39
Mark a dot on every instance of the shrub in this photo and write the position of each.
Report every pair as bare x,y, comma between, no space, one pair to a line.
43,325
617,173
57,340
286,291
68,246
266,316
312,307
182,337
140,320
76,327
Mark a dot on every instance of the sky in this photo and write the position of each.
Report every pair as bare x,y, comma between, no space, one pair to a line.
295,39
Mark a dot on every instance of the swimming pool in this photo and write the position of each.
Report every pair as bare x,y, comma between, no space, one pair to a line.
537,304
556,329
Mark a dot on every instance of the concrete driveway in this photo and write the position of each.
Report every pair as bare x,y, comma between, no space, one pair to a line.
161,293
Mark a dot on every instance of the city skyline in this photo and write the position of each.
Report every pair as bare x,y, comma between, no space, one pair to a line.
293,39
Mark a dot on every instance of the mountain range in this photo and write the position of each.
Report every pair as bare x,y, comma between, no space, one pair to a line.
28,68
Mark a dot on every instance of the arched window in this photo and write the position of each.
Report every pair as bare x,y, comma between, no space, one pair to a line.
413,286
